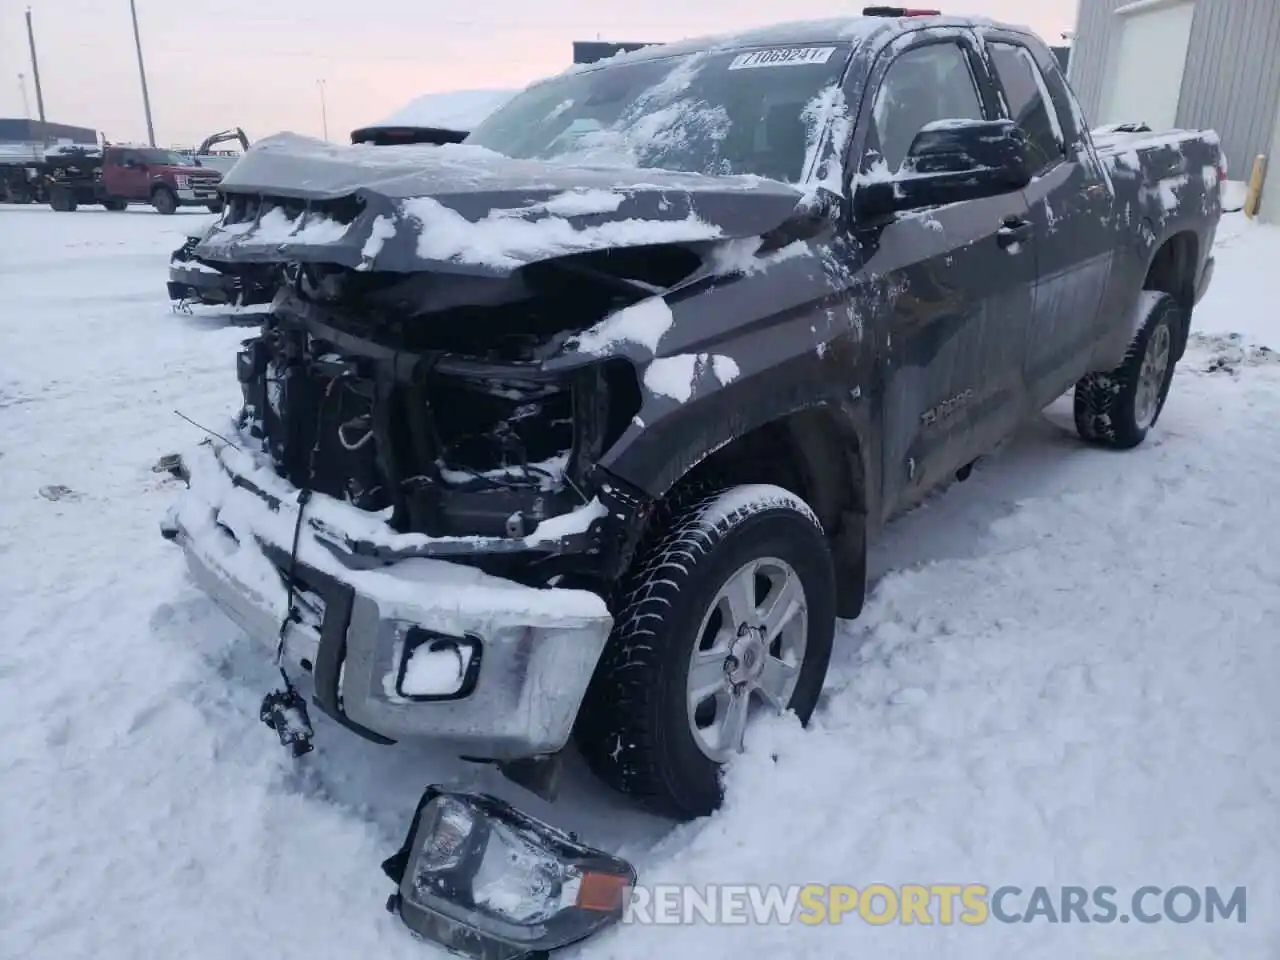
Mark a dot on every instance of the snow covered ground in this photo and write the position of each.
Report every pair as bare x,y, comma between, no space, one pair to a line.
1067,672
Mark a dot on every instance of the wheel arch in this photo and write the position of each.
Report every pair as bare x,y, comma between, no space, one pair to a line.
818,455
1172,270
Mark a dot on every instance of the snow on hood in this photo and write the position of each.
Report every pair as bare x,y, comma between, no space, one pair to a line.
461,110
202,229
469,208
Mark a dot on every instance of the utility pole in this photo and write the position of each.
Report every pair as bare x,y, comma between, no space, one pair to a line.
142,73
324,110
35,67
26,101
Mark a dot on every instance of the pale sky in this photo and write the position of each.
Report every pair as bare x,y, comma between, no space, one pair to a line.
257,63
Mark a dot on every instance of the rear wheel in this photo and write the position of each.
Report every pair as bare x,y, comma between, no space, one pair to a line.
727,611
1118,409
164,200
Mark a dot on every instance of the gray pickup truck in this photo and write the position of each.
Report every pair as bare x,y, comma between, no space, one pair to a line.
581,427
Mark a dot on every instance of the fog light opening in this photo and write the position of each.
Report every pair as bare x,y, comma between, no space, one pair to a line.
436,666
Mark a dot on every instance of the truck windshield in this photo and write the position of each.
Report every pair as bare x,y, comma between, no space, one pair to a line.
165,158
748,111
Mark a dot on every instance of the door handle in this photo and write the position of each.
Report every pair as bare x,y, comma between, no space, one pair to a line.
1014,230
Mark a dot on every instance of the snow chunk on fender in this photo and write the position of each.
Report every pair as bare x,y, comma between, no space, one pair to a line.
673,376
642,323
676,376
383,229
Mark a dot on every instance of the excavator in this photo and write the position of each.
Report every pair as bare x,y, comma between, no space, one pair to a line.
221,164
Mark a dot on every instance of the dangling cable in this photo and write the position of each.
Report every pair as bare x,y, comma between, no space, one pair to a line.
285,711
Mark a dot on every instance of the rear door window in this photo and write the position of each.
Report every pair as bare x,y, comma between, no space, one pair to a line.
1030,105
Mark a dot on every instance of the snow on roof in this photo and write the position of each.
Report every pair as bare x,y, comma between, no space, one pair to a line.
35,151
454,110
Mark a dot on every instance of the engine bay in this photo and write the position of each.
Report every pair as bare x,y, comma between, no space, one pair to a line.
427,395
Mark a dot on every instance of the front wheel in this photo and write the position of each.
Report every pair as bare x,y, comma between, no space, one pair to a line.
1118,409
164,200
728,611
63,201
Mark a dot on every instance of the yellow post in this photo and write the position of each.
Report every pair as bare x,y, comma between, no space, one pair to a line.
1253,199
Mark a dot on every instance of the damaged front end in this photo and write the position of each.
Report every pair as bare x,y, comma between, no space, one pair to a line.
413,489
194,280
413,504
427,398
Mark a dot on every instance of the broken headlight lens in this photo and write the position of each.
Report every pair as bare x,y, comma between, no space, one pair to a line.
484,880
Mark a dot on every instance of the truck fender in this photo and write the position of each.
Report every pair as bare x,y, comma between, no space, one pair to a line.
809,443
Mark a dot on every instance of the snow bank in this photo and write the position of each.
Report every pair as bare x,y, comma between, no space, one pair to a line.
1040,691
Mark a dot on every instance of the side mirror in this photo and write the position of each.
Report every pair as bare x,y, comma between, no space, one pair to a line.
950,161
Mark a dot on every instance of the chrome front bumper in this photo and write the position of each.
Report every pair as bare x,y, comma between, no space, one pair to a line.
198,194
537,648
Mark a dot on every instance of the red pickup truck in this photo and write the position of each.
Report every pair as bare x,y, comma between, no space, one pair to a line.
125,175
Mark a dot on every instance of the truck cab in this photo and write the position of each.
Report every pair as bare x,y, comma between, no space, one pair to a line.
163,178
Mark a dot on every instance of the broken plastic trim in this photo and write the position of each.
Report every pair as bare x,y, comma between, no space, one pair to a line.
487,881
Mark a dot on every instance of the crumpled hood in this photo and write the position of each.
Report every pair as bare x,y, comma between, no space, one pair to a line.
460,207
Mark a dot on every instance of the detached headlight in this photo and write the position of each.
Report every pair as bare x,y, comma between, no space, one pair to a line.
182,182
482,879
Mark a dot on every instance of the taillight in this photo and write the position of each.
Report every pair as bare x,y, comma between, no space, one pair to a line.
899,12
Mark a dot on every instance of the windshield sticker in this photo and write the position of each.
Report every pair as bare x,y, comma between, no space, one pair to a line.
782,57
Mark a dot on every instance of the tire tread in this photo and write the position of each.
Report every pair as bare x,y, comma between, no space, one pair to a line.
615,733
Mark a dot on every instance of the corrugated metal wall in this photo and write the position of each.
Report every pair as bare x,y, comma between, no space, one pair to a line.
1232,79
1095,29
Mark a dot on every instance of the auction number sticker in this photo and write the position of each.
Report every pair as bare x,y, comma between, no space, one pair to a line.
782,57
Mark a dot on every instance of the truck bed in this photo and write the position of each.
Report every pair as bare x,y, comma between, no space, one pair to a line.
1167,185
1171,162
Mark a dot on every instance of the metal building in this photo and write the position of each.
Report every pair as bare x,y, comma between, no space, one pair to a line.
1186,63
13,130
